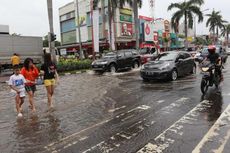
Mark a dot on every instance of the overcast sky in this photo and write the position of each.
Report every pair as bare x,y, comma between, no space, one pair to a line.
29,17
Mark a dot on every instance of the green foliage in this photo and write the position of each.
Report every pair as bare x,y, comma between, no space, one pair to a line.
186,10
73,64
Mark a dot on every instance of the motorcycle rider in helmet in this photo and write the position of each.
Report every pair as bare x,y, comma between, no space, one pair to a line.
215,58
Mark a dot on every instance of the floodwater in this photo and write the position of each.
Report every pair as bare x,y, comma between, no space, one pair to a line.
111,113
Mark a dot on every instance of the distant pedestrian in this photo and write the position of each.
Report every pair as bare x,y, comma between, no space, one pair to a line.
49,70
31,73
15,59
17,85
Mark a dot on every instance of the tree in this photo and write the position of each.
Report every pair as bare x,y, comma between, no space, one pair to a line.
112,5
215,22
186,10
226,32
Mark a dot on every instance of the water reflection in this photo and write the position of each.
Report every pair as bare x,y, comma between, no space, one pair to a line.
215,101
34,132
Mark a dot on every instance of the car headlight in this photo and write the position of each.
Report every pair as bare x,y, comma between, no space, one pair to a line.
165,67
142,66
103,63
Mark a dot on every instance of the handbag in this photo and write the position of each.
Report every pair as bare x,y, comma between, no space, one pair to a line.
39,81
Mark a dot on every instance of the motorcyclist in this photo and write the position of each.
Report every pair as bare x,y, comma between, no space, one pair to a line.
214,58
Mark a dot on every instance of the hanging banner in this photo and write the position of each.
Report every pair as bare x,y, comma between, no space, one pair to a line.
96,30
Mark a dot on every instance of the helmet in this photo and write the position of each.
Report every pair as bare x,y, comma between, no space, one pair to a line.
211,49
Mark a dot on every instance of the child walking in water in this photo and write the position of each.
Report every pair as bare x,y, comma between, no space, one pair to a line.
17,85
49,70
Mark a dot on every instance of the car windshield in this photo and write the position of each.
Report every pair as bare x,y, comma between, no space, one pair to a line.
147,51
167,57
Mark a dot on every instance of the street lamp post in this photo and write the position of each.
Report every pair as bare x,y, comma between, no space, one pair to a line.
50,17
79,29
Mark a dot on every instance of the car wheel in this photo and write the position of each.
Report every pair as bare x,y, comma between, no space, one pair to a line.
174,75
135,65
113,68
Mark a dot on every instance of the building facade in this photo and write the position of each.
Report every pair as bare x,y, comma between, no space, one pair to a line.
122,26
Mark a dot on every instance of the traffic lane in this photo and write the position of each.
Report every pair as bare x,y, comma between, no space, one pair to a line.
160,101
135,99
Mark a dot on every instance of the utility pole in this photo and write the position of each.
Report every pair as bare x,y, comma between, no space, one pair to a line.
79,29
51,33
137,25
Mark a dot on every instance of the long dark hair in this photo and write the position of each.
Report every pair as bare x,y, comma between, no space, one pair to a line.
47,59
27,62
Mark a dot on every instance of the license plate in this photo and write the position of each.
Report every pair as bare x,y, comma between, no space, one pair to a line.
205,73
149,73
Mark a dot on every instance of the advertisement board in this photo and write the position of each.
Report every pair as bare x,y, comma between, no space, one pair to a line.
126,29
148,31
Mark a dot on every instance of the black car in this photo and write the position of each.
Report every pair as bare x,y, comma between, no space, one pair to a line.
169,65
114,61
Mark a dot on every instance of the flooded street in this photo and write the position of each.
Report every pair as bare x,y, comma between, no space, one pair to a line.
116,113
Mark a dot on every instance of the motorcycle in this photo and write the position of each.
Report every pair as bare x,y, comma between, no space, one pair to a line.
210,76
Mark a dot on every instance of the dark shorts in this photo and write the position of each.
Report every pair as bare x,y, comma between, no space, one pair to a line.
30,88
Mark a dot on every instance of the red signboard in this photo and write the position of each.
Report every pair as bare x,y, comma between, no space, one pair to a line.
145,18
155,37
126,29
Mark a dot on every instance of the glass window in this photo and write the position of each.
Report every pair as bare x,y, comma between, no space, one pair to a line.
69,25
128,54
167,57
67,16
69,37
121,54
186,55
88,19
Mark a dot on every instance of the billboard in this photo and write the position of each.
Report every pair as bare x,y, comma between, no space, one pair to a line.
148,31
126,29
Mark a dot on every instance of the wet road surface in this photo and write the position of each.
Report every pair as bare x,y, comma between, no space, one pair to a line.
120,114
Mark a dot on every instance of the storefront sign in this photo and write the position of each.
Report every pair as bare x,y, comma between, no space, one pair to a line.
126,29
155,37
126,11
82,21
167,26
148,31
127,18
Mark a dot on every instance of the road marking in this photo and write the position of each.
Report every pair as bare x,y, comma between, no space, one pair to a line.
116,109
116,140
51,147
212,134
163,140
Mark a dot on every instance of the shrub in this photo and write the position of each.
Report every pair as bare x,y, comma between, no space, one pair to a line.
73,64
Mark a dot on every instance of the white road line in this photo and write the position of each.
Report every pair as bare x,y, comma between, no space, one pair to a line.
220,124
64,140
174,128
116,109
117,139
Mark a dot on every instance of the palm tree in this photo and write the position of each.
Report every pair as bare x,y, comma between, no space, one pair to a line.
112,5
186,10
226,31
215,22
